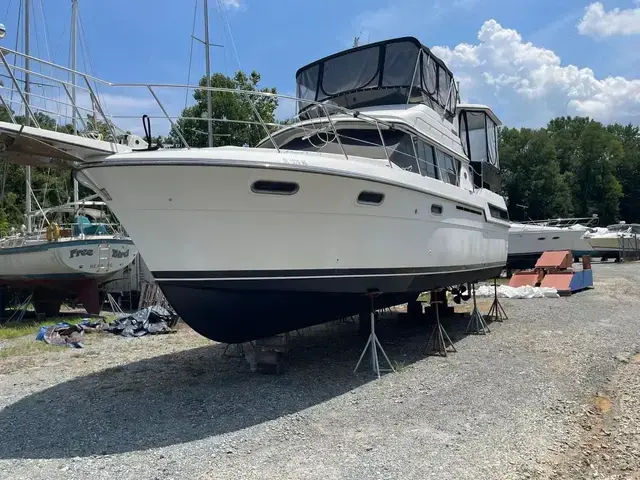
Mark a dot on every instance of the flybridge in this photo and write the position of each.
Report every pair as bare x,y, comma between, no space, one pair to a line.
392,72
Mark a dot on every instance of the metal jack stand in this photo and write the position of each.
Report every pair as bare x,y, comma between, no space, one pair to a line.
439,339
496,312
374,343
115,308
18,314
477,323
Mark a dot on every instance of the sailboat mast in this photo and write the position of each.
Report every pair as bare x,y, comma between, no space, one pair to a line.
207,47
74,120
27,89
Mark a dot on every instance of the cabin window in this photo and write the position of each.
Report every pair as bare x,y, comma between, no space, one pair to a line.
542,238
271,187
500,213
447,167
482,134
492,142
362,142
426,159
464,133
403,155
370,198
436,209
477,136
467,209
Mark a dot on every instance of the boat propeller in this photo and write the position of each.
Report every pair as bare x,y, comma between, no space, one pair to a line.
460,293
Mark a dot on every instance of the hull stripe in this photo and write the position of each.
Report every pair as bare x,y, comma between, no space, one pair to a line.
167,276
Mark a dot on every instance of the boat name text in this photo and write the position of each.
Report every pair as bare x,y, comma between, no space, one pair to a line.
76,252
119,254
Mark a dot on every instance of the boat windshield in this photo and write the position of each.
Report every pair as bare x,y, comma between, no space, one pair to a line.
393,72
404,150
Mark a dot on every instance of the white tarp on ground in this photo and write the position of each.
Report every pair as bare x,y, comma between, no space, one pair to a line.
526,291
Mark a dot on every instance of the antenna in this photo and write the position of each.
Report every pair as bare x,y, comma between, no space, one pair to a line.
356,40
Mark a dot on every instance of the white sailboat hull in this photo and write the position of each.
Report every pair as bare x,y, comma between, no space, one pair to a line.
214,245
94,258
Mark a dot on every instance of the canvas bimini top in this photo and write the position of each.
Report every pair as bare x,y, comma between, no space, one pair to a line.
391,72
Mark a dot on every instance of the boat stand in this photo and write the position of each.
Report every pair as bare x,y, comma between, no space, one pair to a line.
439,340
374,343
477,323
496,312
115,307
18,314
238,347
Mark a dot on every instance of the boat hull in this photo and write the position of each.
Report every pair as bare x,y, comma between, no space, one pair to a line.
616,245
94,258
238,265
233,311
528,242
54,271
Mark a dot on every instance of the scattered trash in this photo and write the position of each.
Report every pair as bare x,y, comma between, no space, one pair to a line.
151,320
525,291
62,334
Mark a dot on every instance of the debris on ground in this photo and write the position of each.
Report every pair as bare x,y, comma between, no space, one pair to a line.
150,320
526,291
62,334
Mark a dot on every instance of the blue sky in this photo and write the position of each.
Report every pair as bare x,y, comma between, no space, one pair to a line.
528,59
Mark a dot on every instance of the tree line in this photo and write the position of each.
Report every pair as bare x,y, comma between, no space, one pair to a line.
574,166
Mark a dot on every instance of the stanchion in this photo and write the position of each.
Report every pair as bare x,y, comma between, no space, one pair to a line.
374,343
496,312
477,323
439,340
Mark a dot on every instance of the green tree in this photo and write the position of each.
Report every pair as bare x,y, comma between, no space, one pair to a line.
596,189
531,174
227,106
628,170
5,116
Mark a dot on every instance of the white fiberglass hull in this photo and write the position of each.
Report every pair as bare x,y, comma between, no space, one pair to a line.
528,241
237,264
614,243
95,258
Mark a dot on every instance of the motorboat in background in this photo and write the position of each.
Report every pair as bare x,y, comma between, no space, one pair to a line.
528,240
616,240
385,186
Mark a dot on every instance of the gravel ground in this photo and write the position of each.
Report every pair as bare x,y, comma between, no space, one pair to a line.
551,393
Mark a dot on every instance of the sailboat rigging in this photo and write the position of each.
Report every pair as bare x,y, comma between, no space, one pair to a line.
71,247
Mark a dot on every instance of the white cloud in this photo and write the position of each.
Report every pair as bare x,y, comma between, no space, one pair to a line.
532,84
597,22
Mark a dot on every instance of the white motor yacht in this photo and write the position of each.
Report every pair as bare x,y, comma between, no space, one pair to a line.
385,186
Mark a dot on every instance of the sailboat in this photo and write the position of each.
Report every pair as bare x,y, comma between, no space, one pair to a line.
73,247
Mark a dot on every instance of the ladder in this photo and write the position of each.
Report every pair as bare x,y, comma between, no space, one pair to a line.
103,257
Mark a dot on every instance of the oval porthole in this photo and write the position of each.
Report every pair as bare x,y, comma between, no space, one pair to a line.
370,198
555,238
436,209
272,187
541,238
